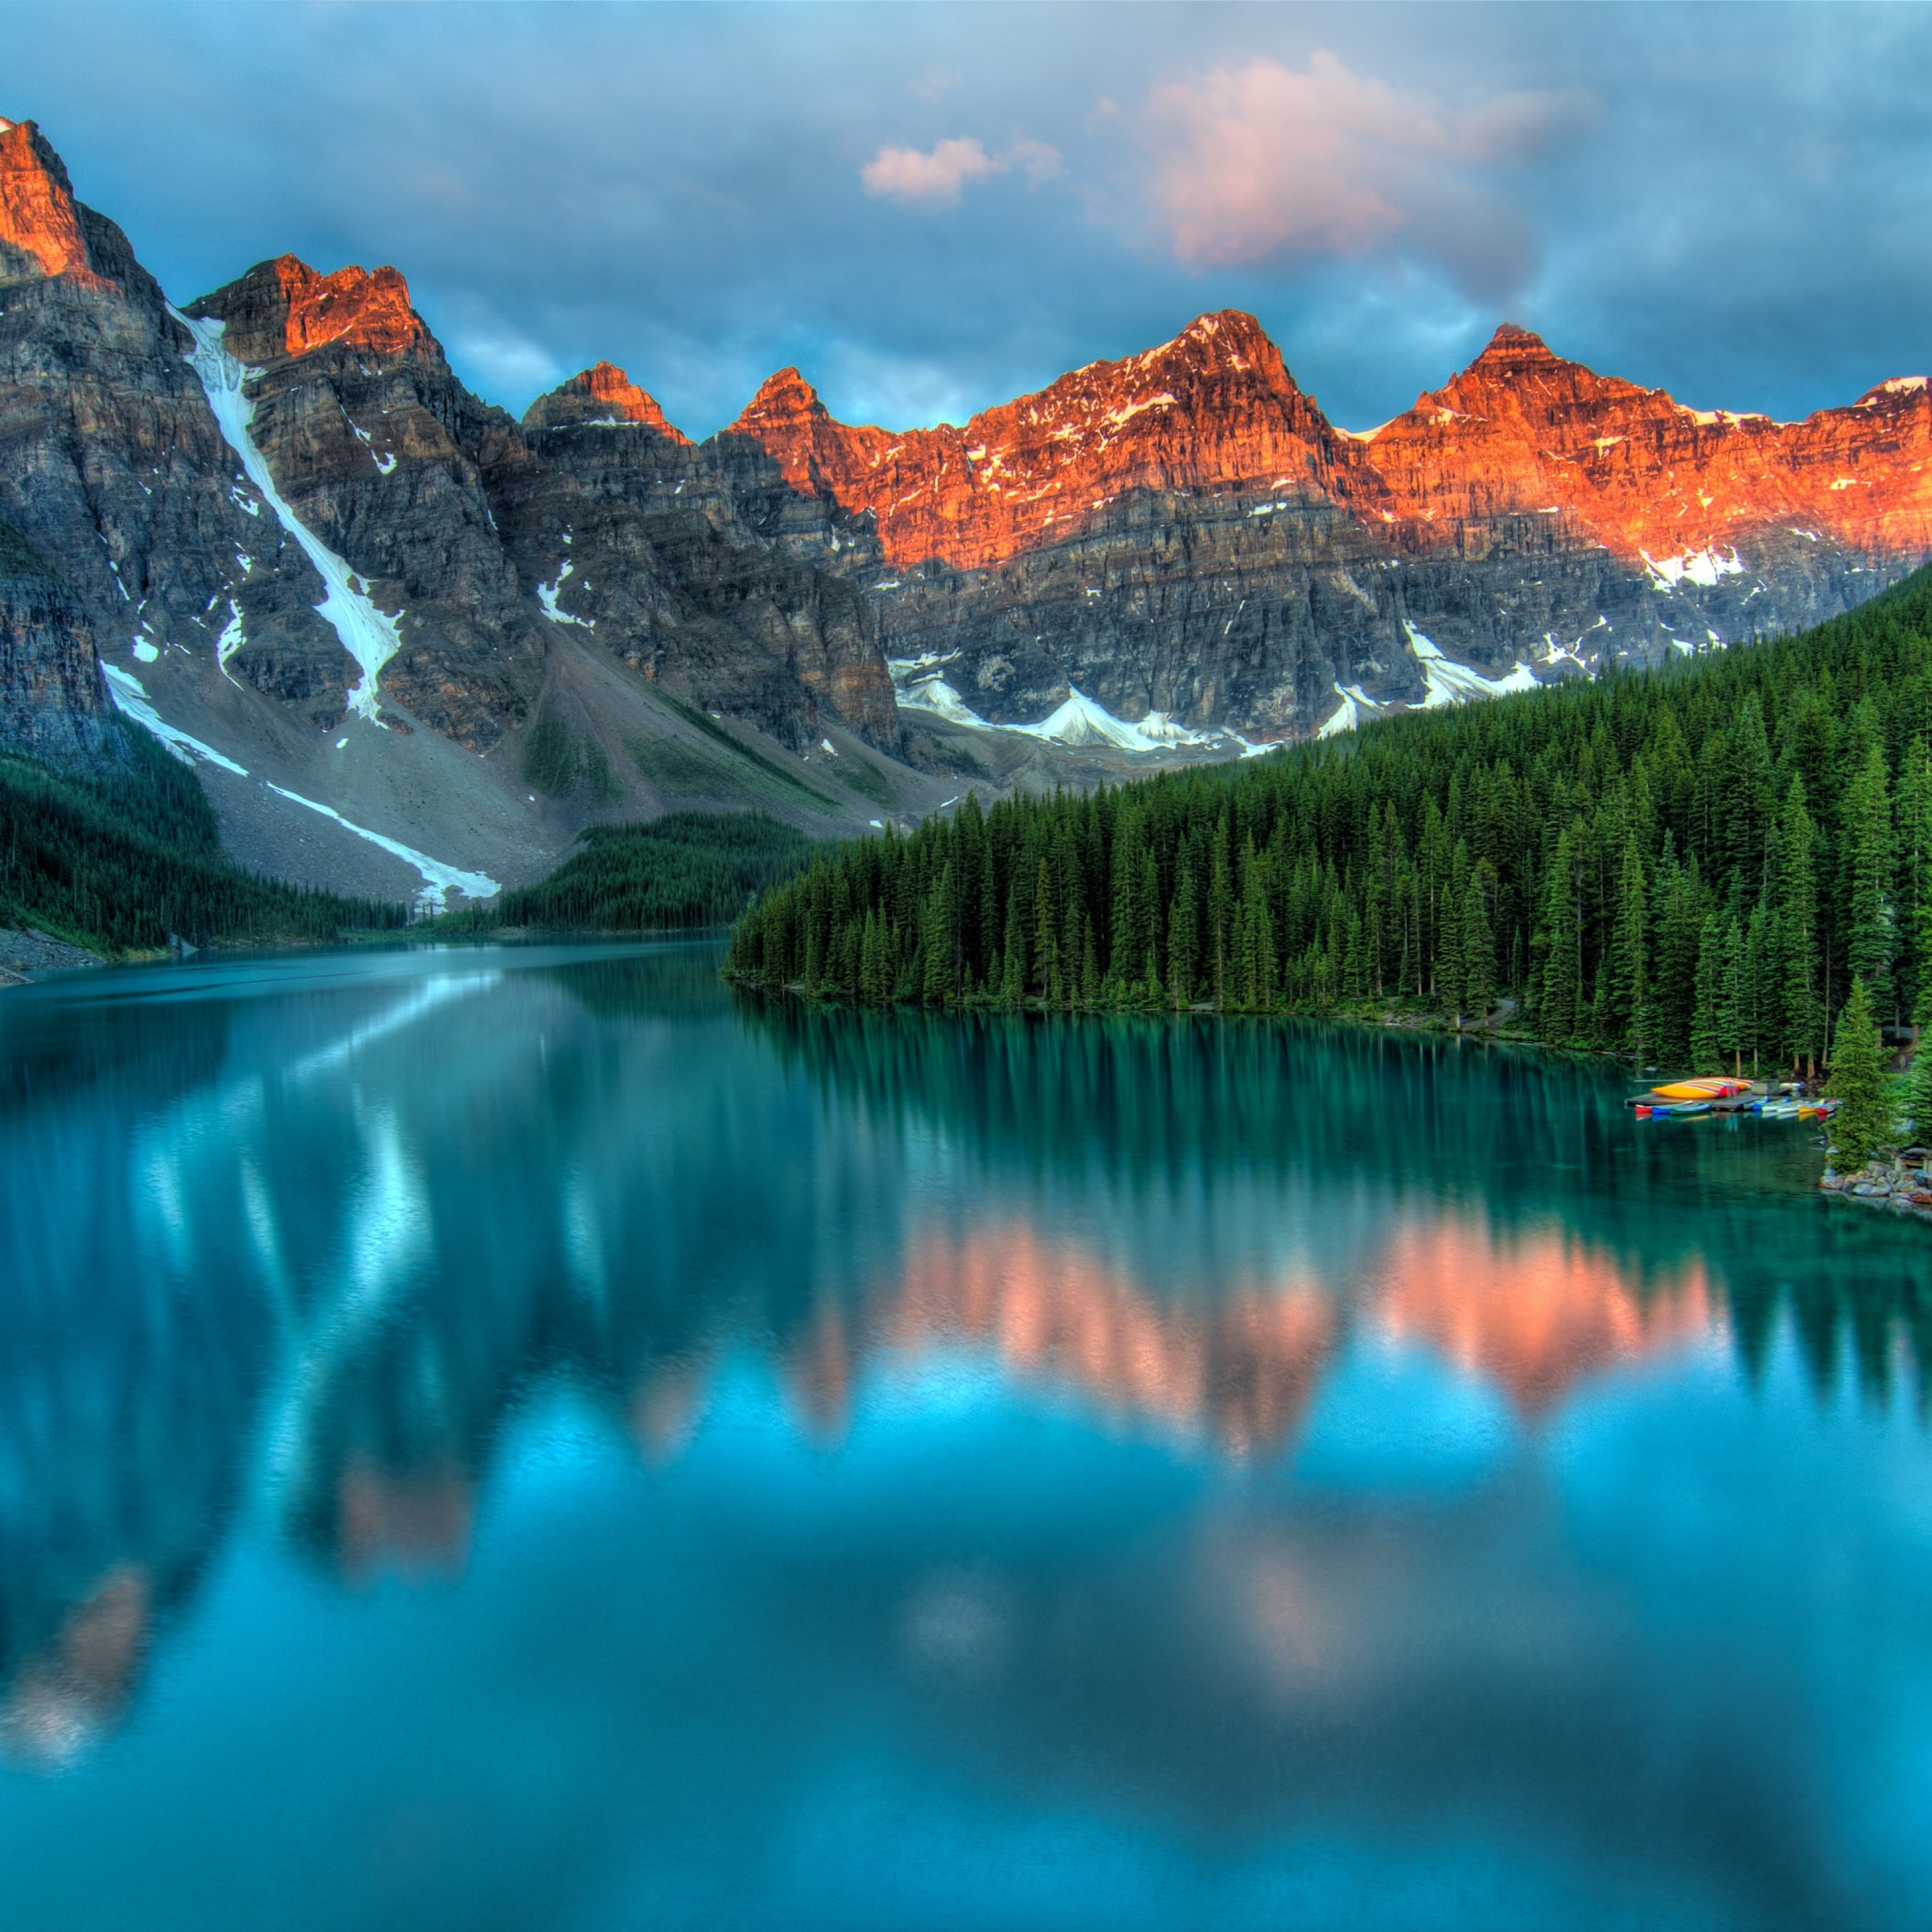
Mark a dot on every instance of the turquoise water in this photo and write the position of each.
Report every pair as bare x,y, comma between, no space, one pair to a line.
515,1439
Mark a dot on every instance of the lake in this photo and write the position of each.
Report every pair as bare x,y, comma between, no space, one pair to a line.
517,1437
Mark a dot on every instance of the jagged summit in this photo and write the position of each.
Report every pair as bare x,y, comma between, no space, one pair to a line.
783,397
602,394
1895,392
284,308
1229,336
40,232
1212,407
1512,345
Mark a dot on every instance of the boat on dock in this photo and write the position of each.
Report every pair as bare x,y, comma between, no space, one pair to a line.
1723,1094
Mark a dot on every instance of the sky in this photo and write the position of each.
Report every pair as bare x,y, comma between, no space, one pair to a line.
931,209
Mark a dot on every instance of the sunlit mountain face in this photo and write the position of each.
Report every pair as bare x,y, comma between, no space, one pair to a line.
273,522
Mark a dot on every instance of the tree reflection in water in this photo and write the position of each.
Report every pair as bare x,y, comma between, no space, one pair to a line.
318,1242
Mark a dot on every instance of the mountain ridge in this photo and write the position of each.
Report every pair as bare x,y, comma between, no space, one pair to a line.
382,613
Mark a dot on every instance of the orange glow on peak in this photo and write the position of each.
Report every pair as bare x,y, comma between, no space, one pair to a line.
372,311
37,213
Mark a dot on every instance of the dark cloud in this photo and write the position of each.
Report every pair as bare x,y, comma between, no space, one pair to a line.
1736,203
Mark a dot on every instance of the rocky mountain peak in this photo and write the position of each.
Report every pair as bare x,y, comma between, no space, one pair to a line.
1519,376
285,308
1229,338
40,232
1512,349
603,394
784,400
1896,392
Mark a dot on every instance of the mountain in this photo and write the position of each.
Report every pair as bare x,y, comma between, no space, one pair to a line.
414,646
1184,533
407,654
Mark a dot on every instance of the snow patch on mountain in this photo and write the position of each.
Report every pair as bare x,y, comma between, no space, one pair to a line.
932,693
1450,682
548,595
1079,721
1702,567
232,639
370,638
1348,715
439,879
131,698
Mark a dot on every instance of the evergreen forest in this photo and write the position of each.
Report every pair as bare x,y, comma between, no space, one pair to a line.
126,856
686,869
1690,866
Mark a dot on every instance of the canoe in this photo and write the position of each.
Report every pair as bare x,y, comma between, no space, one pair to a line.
1715,1088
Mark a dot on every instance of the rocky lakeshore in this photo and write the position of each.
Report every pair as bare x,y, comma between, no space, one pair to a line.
24,955
1901,1183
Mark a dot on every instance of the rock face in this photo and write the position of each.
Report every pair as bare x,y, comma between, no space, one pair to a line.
1214,410
379,451
284,527
1184,532
117,476
53,703
356,595
476,539
604,397
701,566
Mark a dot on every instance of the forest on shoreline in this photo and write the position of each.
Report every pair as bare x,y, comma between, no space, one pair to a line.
125,858
1686,867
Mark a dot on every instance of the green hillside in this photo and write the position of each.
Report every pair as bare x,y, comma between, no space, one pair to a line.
121,860
686,869
1688,866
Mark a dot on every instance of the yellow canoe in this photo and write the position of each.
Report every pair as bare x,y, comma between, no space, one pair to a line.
1711,1089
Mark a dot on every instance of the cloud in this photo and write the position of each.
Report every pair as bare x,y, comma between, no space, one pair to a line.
1041,162
937,80
499,362
931,181
934,180
1258,162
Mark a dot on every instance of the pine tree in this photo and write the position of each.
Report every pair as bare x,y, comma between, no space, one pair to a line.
1919,1093
1220,909
1913,814
1919,1076
1451,987
1146,902
1707,1034
1629,941
1560,1007
1182,922
1676,993
1754,989
1479,949
1046,938
1862,1125
1868,823
1013,969
1799,979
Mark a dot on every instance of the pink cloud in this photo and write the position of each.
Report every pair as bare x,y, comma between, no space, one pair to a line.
1260,161
934,180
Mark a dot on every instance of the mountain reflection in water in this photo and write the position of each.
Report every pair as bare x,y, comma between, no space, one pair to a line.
293,1249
